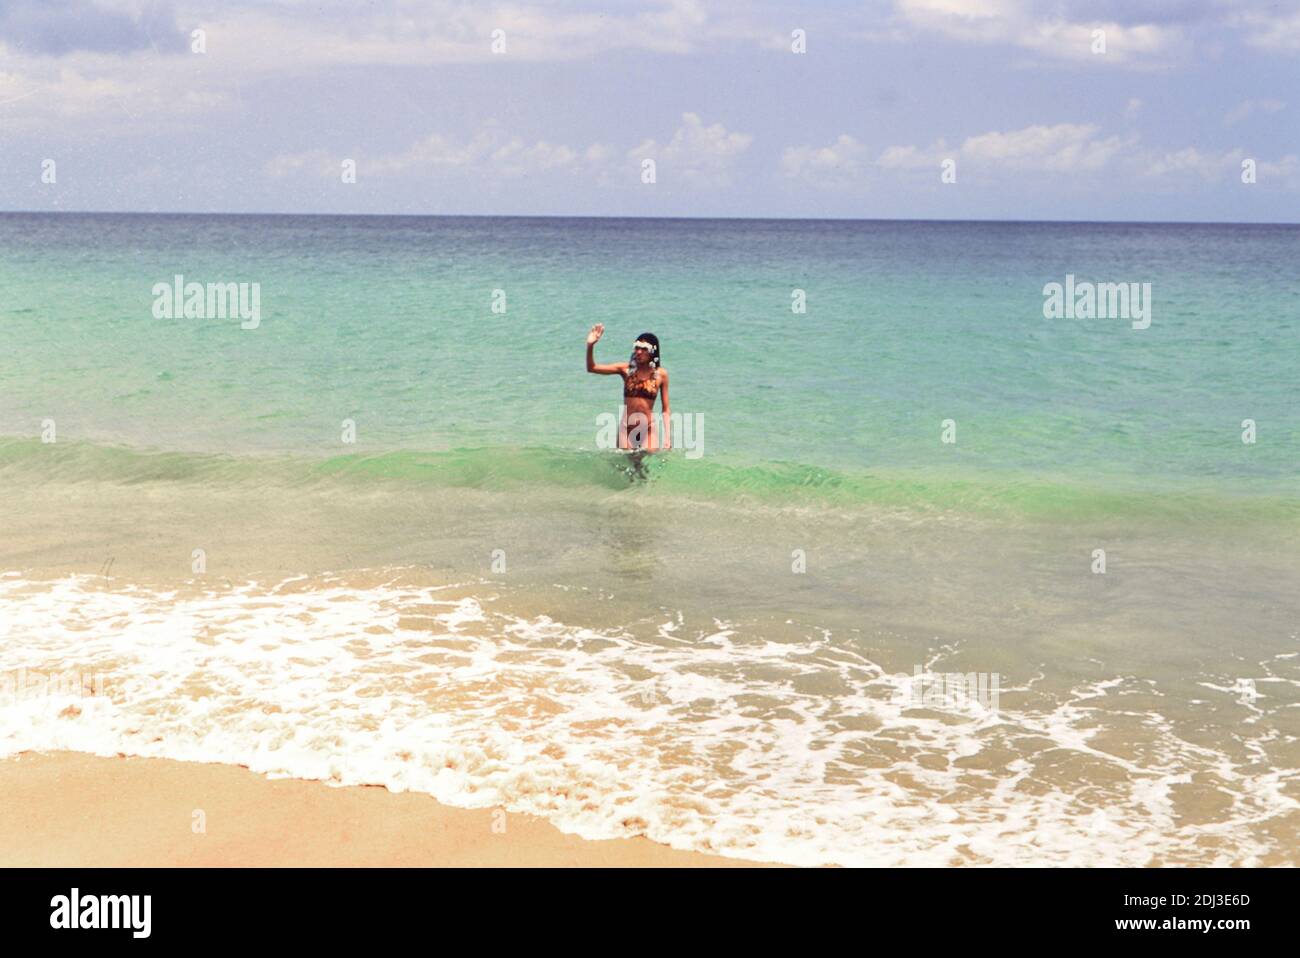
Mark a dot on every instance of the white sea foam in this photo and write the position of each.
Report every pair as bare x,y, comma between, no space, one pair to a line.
727,742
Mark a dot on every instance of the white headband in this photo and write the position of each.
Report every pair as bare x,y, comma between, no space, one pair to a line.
643,344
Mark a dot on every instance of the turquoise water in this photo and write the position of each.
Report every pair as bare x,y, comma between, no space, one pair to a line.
389,322
713,647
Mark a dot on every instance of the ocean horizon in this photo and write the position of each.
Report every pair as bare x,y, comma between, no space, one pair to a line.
592,216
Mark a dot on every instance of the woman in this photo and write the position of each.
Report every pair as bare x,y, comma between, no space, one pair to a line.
644,378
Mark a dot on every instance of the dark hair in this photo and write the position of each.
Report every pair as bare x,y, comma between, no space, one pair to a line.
653,340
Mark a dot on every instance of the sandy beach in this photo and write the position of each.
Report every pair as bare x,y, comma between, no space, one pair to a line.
71,809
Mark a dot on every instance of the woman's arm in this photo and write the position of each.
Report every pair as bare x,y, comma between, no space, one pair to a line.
667,441
600,369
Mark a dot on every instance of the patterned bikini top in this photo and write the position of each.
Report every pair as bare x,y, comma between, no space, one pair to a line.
634,388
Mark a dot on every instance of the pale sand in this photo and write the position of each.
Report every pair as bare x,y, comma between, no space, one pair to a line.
71,809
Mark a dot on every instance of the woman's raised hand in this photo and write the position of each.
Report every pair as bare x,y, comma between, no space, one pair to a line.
597,331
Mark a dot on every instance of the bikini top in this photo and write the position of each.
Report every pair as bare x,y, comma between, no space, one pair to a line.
641,388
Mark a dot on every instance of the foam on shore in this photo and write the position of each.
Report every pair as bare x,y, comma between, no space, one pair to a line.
799,752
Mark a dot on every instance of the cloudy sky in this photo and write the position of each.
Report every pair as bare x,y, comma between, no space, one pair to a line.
1037,122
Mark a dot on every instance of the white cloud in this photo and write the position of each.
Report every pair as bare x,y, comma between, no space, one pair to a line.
246,44
1039,27
1138,44
490,153
1247,107
697,155
913,157
825,165
1213,167
455,31
104,91
1271,31
489,148
1061,148
982,21
1190,160
1286,169
1078,148
1065,147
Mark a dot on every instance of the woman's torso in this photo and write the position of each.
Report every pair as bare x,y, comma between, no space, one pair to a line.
640,390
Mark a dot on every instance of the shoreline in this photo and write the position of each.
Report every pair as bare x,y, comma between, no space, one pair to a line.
74,809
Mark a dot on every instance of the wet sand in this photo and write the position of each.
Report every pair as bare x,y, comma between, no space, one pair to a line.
70,809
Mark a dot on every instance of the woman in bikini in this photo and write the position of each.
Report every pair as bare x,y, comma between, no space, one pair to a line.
644,378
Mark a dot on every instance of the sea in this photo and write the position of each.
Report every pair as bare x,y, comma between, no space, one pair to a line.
934,574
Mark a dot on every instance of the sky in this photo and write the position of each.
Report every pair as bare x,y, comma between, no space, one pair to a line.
1034,109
